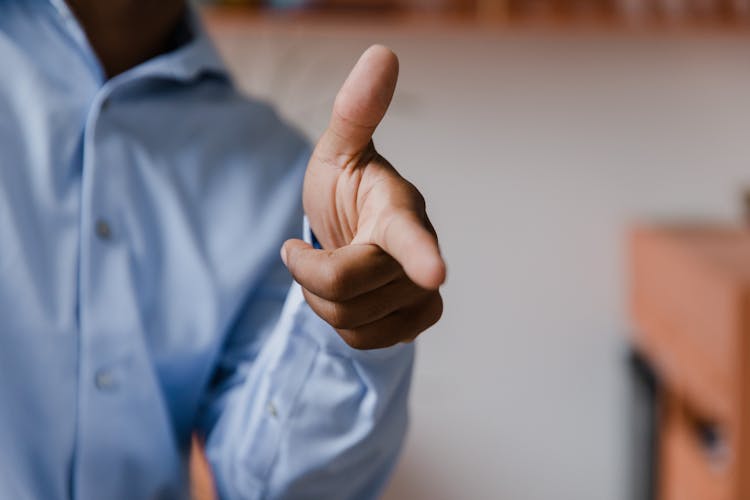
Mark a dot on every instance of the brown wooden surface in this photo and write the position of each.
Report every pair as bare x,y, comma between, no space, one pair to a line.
691,312
490,15
686,472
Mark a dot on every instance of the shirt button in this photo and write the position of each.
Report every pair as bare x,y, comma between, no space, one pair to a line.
103,231
104,380
272,409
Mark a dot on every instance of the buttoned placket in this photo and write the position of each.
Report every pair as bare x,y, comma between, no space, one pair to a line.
111,365
97,214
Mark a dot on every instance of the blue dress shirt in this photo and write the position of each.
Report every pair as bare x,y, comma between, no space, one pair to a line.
142,297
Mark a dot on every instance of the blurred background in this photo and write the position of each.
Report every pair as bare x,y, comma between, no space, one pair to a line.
541,132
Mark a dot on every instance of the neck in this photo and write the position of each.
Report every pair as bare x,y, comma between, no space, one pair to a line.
125,33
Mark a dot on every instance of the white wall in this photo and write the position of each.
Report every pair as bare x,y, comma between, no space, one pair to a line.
535,151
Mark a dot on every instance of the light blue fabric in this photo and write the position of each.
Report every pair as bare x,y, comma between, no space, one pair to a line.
142,296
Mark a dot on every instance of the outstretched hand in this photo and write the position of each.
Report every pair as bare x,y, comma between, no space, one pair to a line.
376,279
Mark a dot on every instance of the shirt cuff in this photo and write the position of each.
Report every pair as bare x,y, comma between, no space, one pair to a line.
309,236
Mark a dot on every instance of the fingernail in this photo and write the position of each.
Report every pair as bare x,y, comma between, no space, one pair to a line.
283,254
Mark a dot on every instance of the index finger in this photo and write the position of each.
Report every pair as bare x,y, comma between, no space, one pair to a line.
412,242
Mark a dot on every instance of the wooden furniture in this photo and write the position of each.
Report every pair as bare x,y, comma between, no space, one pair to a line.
720,13
691,309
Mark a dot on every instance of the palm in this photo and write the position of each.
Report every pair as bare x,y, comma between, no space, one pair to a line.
352,195
340,199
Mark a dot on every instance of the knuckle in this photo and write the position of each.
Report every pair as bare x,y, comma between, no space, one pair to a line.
433,311
438,312
356,340
418,198
338,316
412,193
334,282
385,222
335,314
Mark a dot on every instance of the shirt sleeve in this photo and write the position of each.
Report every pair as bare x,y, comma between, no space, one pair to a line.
297,413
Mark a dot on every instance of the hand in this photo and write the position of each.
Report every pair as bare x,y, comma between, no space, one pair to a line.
376,280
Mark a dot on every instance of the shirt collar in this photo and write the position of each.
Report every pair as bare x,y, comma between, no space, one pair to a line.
195,55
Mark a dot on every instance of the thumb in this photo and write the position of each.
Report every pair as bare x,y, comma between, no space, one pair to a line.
361,103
